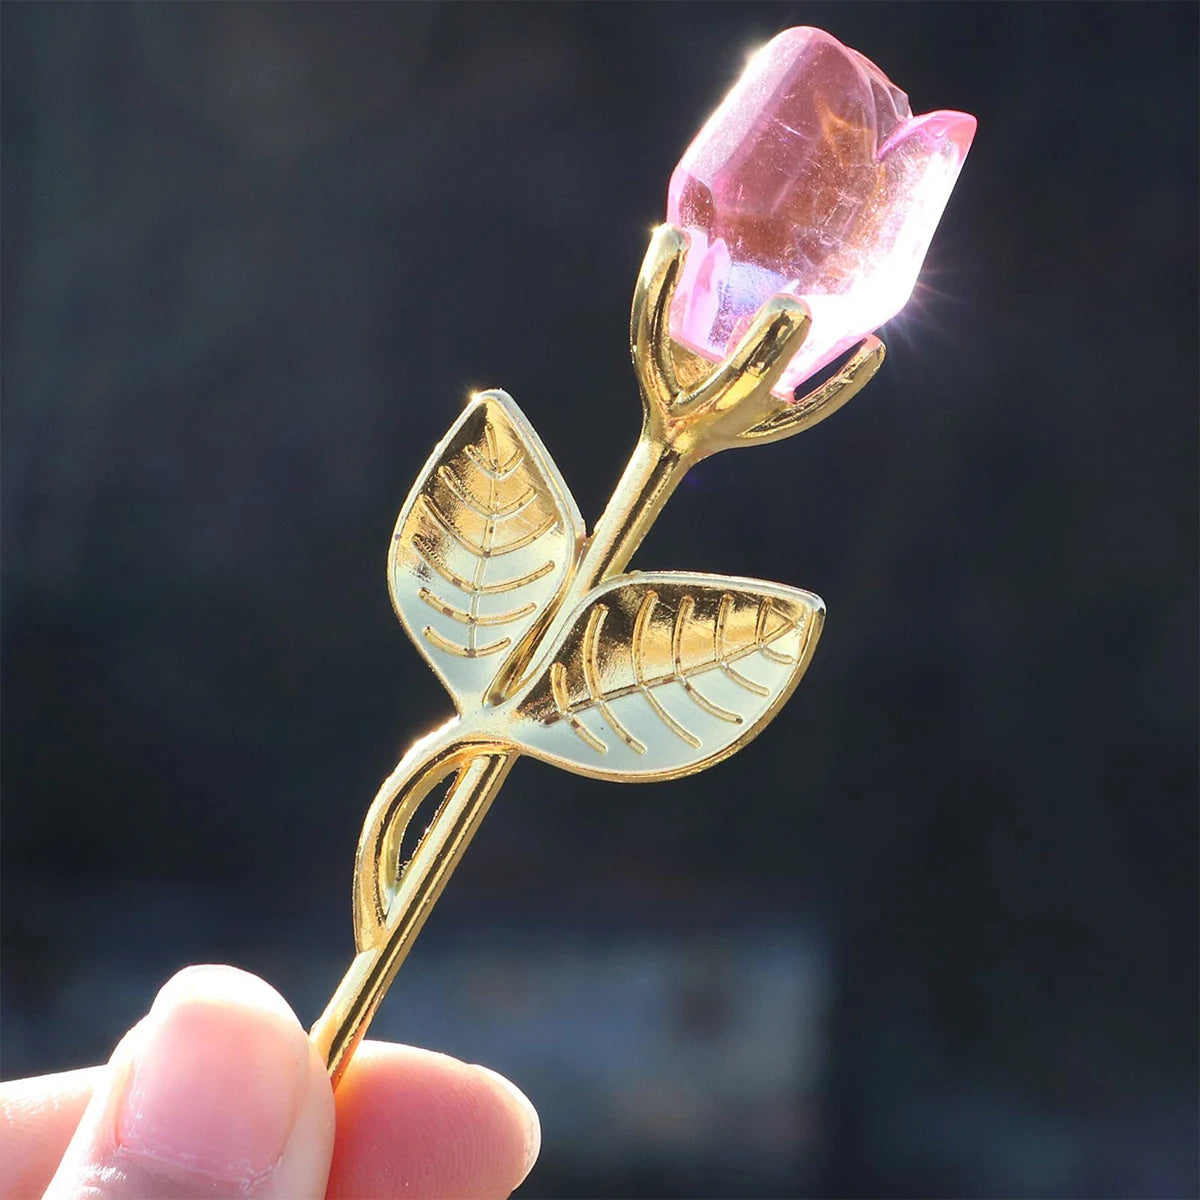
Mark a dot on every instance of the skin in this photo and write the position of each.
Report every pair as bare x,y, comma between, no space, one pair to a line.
217,1093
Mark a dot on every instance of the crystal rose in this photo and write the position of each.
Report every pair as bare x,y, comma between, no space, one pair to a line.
814,179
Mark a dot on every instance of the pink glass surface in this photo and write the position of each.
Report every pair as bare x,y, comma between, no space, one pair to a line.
812,178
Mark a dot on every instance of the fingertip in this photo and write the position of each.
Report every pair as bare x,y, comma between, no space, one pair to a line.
217,984
425,1126
522,1111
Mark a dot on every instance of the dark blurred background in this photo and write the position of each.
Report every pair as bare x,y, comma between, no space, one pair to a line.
944,939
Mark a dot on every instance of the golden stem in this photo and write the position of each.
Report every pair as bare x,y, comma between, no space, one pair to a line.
342,1025
651,475
729,405
392,904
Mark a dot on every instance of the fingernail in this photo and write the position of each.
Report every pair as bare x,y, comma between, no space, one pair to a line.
532,1123
217,1078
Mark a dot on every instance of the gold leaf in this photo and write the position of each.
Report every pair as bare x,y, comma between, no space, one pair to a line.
482,546
659,675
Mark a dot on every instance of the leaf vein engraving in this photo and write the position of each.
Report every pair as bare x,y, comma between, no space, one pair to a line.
488,589
466,618
641,627
686,607
682,674
489,436
558,687
722,656
435,639
467,543
484,550
467,497
591,673
495,470
526,539
489,533
763,639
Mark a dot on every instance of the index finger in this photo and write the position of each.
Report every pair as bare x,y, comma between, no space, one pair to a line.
37,1118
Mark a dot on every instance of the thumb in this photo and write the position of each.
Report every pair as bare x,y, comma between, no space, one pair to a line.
216,1092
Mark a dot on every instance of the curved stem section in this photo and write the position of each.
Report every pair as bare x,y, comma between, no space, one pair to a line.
393,901
377,867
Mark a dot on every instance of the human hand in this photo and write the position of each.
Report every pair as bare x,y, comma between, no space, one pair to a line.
217,1092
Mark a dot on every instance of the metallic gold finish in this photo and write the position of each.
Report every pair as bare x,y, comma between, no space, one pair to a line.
545,646
663,674
483,545
385,935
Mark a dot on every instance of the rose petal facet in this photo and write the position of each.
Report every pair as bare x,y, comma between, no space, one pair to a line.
812,178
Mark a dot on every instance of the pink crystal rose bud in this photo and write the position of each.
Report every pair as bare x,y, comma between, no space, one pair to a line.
813,179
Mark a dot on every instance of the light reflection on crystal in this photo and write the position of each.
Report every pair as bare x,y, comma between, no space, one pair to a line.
812,178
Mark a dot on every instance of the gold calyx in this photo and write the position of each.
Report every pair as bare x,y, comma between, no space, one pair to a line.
700,408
